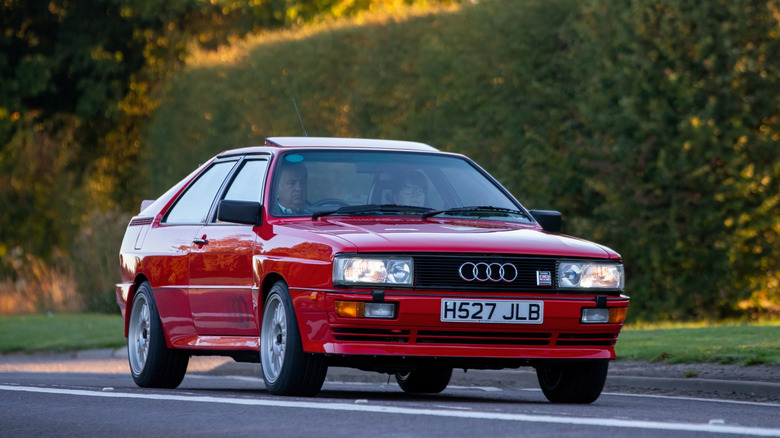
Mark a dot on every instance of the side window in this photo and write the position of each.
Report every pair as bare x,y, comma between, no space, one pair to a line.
248,184
194,205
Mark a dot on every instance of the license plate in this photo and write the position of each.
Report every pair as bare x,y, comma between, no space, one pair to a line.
492,311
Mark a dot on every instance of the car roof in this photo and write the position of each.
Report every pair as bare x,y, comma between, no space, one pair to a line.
272,143
293,142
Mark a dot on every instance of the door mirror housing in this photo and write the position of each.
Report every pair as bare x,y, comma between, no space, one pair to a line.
241,212
550,221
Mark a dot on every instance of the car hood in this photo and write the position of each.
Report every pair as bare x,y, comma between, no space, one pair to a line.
369,235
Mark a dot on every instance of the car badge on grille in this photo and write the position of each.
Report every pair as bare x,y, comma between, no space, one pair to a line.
482,271
543,278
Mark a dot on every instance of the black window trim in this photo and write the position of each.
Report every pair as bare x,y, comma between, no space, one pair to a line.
212,217
210,214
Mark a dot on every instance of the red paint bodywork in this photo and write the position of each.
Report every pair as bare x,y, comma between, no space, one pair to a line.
210,296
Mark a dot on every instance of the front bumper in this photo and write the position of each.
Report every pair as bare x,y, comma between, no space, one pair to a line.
417,329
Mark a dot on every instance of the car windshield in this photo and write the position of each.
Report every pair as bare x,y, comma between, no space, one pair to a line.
387,183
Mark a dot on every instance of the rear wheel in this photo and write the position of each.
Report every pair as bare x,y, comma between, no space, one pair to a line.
577,382
152,363
424,380
287,369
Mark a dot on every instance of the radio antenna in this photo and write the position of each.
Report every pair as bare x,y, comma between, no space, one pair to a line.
299,118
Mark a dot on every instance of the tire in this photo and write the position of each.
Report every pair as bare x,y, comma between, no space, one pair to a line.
577,382
425,380
152,363
287,369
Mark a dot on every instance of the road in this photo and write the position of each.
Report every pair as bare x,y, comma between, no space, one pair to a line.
58,400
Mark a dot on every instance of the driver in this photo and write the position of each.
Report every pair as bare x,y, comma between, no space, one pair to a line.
292,190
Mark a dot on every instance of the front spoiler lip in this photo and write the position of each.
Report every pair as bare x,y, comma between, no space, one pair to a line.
393,364
468,352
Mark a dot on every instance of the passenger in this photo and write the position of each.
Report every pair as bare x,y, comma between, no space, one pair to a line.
411,189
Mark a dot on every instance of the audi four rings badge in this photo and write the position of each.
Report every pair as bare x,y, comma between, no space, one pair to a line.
543,278
482,271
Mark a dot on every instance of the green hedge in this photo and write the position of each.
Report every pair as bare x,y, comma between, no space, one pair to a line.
652,125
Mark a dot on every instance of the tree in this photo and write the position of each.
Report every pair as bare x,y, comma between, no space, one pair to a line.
78,83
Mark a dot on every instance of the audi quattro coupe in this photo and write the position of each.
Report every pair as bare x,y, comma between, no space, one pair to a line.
386,256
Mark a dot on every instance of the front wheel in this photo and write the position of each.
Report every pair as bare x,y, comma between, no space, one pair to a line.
424,380
152,363
287,369
576,382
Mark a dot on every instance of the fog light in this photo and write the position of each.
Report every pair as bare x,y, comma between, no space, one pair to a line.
604,315
380,310
362,309
595,316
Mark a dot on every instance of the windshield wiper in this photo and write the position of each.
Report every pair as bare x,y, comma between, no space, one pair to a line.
372,208
475,209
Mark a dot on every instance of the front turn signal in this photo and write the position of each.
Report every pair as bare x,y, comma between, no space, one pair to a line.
362,309
617,315
350,309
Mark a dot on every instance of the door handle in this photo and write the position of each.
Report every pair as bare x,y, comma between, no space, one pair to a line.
200,240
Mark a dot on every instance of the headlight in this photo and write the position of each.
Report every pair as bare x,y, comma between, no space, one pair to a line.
372,270
594,275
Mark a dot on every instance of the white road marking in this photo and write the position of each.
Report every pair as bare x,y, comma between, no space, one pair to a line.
679,397
479,388
598,422
698,399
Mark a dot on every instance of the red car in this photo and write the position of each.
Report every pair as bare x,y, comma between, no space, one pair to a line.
386,256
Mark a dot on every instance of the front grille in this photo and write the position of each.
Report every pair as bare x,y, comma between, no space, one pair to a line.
442,271
371,335
481,338
586,339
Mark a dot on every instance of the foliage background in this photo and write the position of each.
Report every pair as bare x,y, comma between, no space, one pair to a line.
652,124
79,80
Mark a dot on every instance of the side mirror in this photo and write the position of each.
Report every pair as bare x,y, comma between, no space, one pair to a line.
240,212
550,221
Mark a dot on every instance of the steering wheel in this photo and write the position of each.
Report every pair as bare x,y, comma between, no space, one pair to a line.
329,201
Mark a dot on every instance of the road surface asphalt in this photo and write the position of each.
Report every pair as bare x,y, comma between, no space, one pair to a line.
734,382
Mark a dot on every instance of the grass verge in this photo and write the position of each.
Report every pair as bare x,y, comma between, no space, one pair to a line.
727,343
671,343
66,332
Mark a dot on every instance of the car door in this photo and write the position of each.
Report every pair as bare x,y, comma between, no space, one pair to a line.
174,241
221,276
